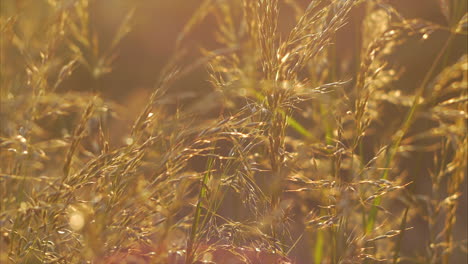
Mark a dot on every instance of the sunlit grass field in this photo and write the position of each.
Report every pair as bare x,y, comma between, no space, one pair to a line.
233,131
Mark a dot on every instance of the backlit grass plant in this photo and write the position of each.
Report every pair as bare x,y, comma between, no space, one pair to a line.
303,146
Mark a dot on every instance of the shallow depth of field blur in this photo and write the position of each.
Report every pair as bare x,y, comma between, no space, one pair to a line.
233,131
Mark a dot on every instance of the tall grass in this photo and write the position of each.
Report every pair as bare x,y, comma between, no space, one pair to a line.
305,146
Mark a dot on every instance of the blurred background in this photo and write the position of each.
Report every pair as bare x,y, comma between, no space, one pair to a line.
151,42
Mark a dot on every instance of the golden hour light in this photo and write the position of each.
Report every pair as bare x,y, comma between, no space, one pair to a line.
233,131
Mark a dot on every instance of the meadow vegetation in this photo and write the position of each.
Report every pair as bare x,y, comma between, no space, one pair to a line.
323,131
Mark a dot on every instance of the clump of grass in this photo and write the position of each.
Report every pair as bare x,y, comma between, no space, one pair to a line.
317,155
